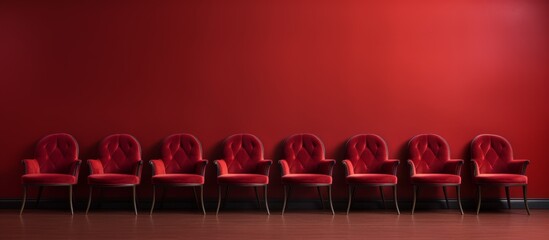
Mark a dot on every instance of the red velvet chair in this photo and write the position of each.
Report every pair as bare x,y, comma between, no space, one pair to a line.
119,165
55,164
494,165
181,166
367,165
430,165
304,165
243,165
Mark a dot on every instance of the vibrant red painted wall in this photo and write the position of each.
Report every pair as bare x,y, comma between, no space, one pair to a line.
274,68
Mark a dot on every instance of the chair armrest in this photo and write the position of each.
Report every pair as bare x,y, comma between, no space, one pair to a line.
390,166
326,166
453,166
96,167
221,167
201,166
138,168
476,169
349,168
263,166
31,166
75,168
518,166
284,167
412,167
158,167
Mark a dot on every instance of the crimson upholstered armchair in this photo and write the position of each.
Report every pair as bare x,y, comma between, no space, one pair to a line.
494,165
243,165
430,165
119,165
181,166
367,165
304,165
55,164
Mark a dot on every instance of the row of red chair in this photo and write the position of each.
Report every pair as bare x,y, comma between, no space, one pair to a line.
304,165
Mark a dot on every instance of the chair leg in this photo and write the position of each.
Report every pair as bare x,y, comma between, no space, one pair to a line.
154,200
508,198
382,197
40,189
196,197
446,197
257,198
320,196
479,194
458,193
134,199
330,197
89,200
266,201
395,197
286,193
351,193
24,199
416,192
218,199
70,199
524,192
202,199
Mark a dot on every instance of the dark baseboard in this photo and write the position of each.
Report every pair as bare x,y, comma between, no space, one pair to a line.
276,205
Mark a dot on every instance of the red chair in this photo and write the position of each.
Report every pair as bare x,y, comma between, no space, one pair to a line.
243,165
494,165
430,165
55,164
304,165
181,166
119,165
367,165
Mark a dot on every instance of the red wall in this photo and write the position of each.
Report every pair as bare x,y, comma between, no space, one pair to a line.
274,68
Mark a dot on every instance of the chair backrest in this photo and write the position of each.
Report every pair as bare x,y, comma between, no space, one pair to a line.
119,153
242,152
367,152
492,153
56,153
429,152
180,152
303,152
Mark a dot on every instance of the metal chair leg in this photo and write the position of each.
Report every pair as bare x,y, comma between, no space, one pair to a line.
479,193
458,193
416,191
154,200
320,196
89,200
351,193
508,198
382,197
395,197
330,196
257,198
524,192
202,199
286,193
446,197
134,199
24,199
266,201
70,199
40,189
218,199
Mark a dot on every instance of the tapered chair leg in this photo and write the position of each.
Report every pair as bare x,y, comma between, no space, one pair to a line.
134,199
330,198
218,199
70,199
24,199
154,200
458,193
89,200
40,189
524,193
257,198
351,193
286,193
196,197
266,201
416,191
479,194
202,199
395,197
382,197
508,198
445,196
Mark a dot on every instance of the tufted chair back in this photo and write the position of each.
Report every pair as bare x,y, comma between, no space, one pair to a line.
56,153
180,153
119,153
242,152
492,153
429,152
303,153
367,152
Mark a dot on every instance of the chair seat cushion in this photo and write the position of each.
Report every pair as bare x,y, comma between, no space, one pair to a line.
372,178
436,178
306,178
112,179
178,178
243,178
501,178
48,178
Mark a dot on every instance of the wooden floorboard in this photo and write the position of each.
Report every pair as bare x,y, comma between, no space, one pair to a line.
427,224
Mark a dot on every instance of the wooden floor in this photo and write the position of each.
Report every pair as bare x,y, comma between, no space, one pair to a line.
436,224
